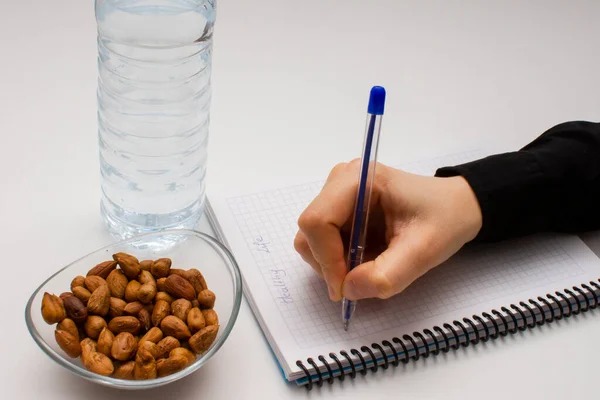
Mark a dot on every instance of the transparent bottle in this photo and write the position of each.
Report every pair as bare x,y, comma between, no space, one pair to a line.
154,63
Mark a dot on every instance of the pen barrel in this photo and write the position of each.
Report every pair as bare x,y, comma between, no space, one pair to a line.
358,235
348,307
366,177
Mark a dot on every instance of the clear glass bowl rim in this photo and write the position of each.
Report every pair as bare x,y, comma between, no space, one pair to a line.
142,384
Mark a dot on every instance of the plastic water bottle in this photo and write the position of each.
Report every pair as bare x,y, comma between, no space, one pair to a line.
154,63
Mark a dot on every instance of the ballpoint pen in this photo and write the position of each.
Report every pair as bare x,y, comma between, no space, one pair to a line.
368,161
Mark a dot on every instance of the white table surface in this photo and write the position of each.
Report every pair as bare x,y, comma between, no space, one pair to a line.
293,75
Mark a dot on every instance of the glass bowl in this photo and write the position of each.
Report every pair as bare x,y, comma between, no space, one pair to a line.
187,249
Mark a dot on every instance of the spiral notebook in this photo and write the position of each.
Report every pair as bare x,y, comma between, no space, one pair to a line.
482,292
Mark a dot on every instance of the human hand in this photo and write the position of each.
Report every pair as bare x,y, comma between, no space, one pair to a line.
415,223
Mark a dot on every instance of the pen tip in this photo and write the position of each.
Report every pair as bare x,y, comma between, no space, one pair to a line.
346,324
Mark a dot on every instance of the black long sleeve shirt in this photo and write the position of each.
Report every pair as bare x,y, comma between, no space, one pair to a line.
552,184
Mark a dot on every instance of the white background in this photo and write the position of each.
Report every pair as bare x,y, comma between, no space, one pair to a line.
290,82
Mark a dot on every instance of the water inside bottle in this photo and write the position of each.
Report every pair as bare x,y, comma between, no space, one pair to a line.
154,63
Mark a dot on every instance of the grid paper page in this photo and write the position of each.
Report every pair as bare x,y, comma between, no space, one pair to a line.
268,223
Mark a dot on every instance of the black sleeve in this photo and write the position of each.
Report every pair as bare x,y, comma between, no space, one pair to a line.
552,184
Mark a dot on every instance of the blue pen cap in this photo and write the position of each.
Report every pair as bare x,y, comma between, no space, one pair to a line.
376,100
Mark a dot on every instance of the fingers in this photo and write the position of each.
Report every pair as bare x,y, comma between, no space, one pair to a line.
320,224
422,222
390,273
301,246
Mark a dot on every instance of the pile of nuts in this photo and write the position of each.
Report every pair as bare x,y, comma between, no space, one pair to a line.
140,320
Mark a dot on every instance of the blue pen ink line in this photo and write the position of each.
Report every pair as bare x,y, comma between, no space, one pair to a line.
277,279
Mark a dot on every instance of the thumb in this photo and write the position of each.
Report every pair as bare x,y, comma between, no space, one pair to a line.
389,274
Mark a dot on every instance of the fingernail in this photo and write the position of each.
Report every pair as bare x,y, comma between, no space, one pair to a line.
331,292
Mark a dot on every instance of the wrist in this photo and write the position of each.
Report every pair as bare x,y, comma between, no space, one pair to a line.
471,218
